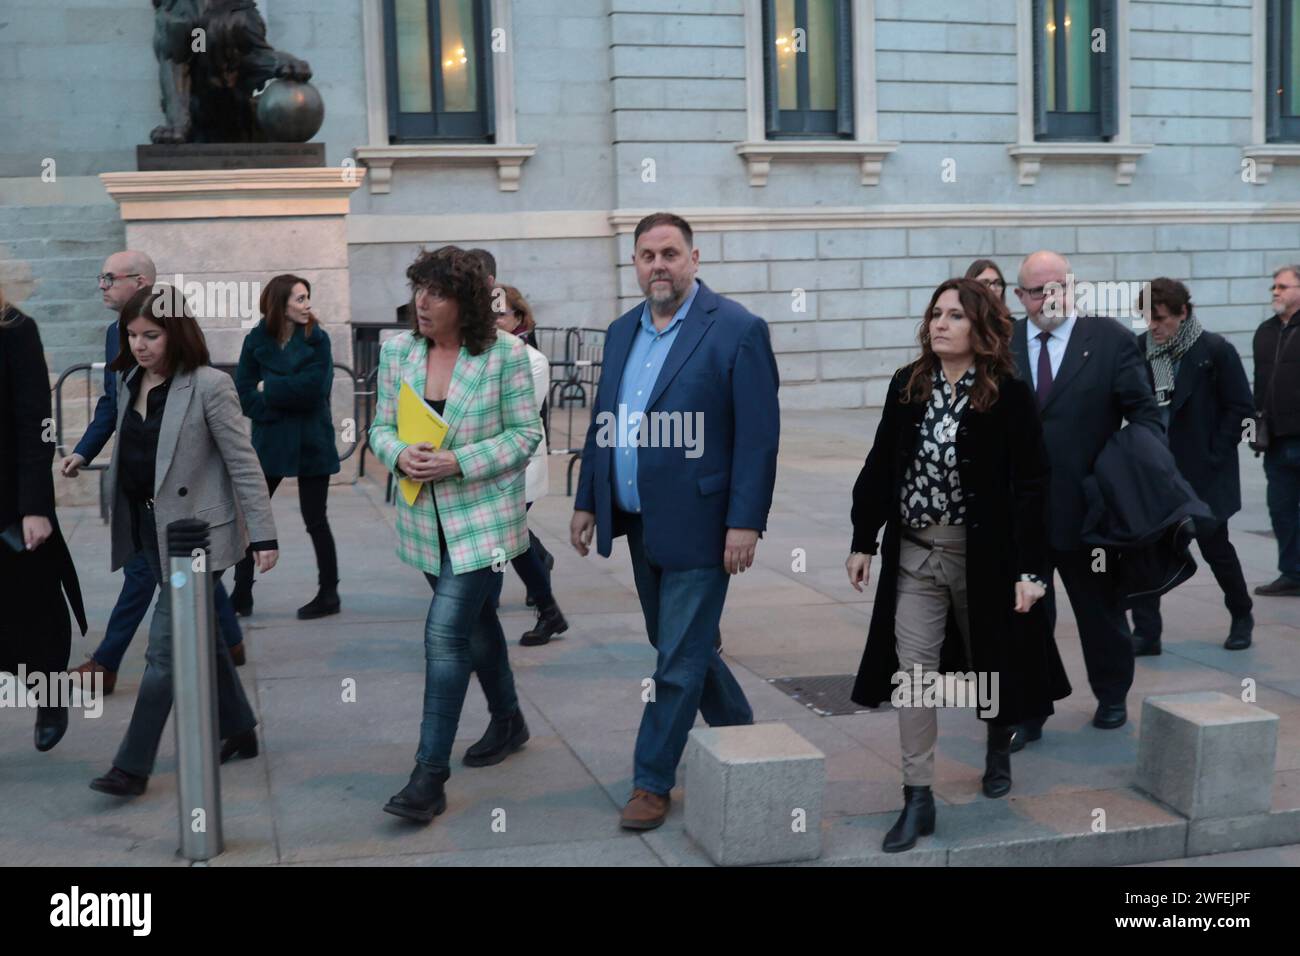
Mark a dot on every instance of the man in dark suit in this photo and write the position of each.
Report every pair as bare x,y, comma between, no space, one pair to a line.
1090,377
1205,401
695,368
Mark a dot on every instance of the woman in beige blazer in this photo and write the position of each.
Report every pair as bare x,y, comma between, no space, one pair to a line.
182,451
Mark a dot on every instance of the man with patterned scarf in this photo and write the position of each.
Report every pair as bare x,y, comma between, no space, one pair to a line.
1205,400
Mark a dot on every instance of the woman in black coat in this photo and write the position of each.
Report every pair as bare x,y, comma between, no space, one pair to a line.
957,477
285,373
36,570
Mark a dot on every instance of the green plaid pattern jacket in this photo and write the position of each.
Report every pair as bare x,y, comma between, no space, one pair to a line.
494,427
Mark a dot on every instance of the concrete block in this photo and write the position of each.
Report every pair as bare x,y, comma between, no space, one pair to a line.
754,794
1230,834
1207,754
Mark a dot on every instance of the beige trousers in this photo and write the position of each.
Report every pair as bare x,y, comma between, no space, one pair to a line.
929,581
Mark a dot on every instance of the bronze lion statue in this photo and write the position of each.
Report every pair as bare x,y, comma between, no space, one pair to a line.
212,57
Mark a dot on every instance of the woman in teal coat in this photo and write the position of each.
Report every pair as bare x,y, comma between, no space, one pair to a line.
285,373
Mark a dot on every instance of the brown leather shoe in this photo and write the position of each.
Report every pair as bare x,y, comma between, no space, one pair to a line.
237,655
645,810
90,668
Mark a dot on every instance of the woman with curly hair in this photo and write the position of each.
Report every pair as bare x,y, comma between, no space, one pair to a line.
957,477
469,512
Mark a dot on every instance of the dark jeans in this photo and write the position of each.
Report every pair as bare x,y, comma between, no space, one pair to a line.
1219,554
461,634
1282,470
153,703
132,604
313,495
682,610
1103,627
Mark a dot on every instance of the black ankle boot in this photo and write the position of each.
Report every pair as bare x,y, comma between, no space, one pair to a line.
240,745
997,762
550,621
917,819
51,725
1240,633
423,798
503,737
325,603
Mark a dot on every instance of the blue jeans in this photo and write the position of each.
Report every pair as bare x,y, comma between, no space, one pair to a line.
461,634
133,603
1282,469
682,611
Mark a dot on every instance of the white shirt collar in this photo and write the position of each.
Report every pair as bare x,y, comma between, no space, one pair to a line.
1061,331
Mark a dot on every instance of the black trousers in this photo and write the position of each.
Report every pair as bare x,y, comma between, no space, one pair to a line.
1221,556
1103,627
313,495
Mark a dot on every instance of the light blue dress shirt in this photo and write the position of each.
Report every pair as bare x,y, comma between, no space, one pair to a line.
1055,347
644,362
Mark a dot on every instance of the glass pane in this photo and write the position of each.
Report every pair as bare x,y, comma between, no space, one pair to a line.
787,77
1078,55
459,65
821,54
1049,48
414,82
1291,62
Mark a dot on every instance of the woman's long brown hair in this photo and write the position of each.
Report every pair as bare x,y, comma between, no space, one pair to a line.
990,339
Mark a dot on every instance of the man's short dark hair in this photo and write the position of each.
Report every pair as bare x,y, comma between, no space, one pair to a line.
489,261
1170,293
665,219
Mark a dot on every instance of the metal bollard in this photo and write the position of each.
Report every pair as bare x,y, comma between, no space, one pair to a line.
194,681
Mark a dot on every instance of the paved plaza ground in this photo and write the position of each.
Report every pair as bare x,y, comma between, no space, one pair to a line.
315,794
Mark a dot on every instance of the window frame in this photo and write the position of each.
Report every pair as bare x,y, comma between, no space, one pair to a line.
804,123
1096,126
1280,127
439,125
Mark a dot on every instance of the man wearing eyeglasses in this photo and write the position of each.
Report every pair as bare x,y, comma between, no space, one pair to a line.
1089,376
1277,432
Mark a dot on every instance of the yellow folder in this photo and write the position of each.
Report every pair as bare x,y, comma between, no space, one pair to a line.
417,422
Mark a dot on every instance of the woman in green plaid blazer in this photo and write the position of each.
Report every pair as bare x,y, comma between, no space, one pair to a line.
469,518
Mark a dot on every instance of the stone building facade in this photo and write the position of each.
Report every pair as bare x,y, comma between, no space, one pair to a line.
603,110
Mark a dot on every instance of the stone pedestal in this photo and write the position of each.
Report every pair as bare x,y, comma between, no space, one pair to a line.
754,794
222,234
1207,754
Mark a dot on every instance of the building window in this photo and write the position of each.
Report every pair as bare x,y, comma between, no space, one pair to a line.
808,68
1283,84
1075,69
439,70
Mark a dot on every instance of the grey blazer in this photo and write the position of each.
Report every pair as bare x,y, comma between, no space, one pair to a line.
206,468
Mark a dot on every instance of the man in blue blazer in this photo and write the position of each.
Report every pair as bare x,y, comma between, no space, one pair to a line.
681,457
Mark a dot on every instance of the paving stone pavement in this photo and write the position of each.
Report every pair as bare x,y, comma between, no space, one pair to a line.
327,766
